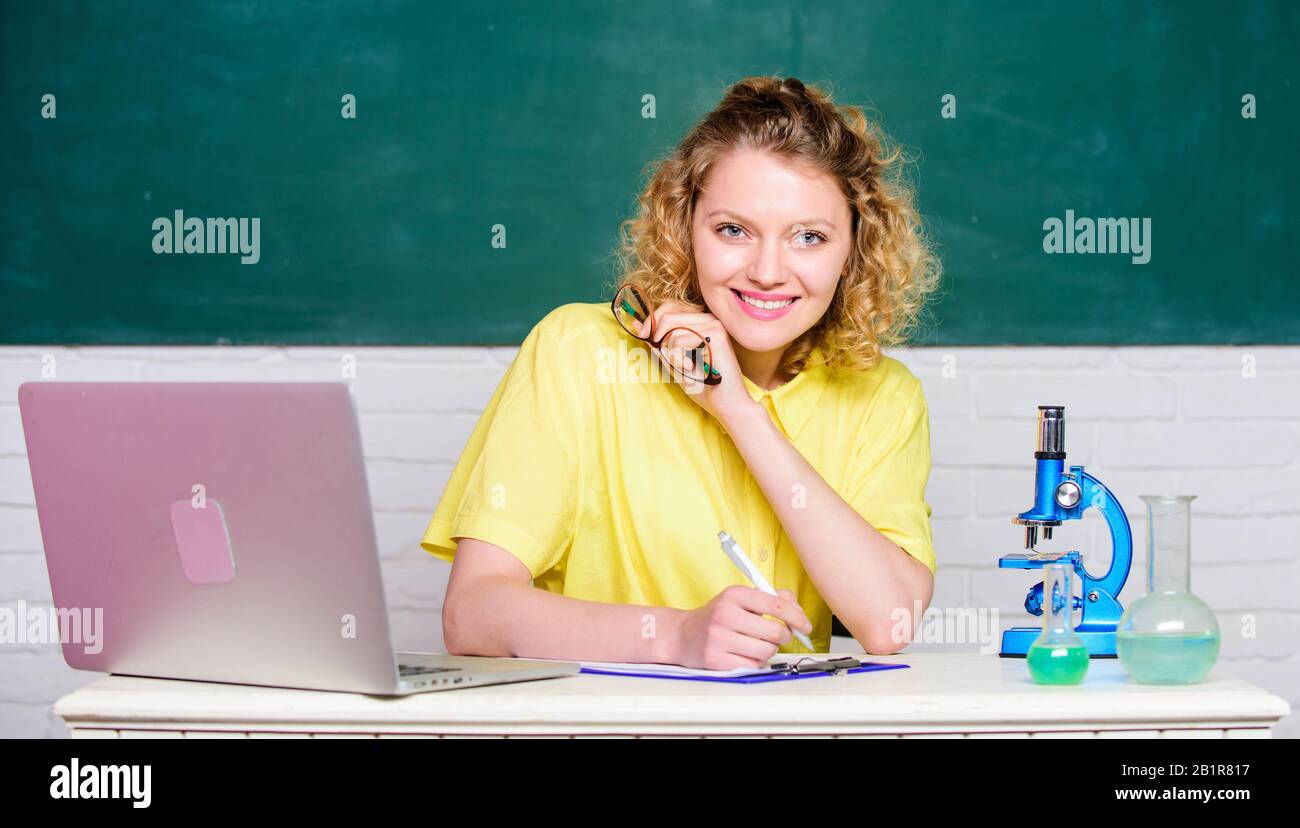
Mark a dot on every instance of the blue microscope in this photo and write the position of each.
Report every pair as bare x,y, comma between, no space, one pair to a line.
1059,496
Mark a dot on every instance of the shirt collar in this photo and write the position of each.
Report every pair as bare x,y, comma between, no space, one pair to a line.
793,402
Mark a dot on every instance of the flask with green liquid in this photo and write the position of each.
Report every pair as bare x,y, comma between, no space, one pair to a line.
1168,636
1057,656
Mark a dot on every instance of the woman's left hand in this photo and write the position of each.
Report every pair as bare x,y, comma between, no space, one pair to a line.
727,398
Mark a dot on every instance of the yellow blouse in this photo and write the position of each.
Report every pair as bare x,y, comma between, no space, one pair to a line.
610,484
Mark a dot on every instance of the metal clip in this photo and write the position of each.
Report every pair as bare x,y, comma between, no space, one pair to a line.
807,664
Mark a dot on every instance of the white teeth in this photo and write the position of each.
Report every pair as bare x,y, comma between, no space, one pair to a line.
758,303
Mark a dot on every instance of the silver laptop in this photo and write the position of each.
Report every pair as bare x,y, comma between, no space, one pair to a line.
222,532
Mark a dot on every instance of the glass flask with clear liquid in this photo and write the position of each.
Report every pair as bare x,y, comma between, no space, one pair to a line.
1168,636
1057,656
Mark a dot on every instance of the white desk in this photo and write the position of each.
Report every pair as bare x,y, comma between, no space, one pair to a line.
939,695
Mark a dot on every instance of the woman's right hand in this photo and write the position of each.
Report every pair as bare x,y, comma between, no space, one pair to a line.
730,631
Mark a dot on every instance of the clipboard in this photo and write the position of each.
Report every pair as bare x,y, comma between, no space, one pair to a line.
806,667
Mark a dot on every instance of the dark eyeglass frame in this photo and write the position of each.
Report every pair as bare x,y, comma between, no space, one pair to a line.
711,378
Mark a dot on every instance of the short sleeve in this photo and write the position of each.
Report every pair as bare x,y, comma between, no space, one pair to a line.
890,471
517,482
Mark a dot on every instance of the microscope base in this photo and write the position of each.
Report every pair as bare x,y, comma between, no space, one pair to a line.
1017,641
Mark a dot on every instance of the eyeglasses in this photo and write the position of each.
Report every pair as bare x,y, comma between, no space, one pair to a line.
694,362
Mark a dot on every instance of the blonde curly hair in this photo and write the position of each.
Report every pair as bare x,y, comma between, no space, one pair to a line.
891,267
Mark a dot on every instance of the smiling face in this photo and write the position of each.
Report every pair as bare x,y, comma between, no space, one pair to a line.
771,240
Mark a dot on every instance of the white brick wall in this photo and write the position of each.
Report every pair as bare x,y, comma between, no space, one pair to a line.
1144,420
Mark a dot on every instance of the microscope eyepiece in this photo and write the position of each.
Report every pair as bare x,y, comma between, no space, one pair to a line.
1051,432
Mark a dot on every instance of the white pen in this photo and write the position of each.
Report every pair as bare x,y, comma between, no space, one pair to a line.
747,568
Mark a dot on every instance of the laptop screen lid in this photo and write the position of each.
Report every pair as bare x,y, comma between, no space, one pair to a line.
224,530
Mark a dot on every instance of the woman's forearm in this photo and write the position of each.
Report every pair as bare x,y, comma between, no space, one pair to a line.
501,617
862,575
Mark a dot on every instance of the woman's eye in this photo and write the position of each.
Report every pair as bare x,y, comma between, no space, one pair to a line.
725,227
815,235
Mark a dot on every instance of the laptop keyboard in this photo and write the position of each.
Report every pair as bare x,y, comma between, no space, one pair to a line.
422,669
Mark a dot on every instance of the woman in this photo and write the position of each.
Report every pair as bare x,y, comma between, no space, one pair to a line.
782,235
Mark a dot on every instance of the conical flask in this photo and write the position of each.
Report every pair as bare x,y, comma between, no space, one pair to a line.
1168,636
1058,655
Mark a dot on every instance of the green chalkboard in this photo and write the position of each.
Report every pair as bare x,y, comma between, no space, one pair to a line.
526,117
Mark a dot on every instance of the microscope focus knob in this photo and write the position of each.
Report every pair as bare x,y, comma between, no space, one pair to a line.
1034,599
1068,494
